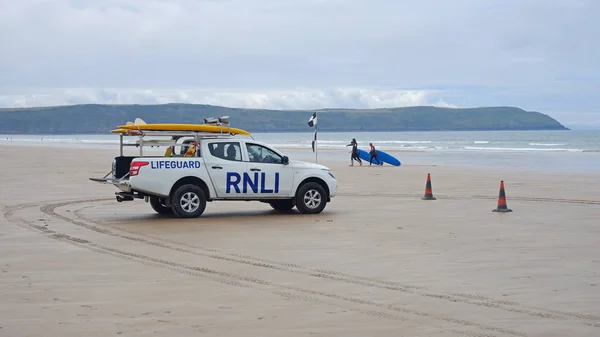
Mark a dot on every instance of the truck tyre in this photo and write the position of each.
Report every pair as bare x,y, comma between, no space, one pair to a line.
285,205
188,201
158,205
311,198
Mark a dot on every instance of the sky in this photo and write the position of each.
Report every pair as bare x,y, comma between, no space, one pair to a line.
538,55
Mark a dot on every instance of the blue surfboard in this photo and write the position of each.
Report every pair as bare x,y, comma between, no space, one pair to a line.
382,156
364,155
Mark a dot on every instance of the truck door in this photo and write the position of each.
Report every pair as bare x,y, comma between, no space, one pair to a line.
226,167
274,177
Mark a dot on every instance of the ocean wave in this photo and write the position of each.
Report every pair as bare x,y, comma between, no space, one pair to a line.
89,141
441,145
441,148
402,142
519,149
547,144
364,142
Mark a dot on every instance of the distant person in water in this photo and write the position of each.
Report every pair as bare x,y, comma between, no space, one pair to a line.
373,154
354,156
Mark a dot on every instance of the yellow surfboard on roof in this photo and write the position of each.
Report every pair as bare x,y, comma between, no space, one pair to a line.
140,124
186,127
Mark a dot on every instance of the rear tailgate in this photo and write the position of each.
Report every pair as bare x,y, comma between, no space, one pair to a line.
119,174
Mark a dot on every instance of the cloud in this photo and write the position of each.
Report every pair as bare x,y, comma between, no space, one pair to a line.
263,53
303,99
268,43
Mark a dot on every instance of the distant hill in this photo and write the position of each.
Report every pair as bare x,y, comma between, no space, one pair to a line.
100,118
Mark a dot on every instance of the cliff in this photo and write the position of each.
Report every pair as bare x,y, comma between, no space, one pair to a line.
100,118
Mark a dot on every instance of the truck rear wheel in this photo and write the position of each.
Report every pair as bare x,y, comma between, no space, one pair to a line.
158,204
311,198
188,201
284,205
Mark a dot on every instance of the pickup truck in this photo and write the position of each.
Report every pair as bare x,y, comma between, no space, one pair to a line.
217,168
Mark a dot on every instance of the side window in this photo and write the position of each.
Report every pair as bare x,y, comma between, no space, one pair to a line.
261,154
226,150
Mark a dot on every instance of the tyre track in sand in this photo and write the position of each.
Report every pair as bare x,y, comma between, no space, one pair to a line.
337,276
472,299
49,209
296,293
219,277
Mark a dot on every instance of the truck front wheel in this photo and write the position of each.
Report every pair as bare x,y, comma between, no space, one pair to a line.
159,206
188,201
311,198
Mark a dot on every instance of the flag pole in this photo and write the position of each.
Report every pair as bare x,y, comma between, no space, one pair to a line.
314,121
316,142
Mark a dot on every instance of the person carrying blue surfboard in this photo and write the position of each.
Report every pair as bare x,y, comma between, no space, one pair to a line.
354,156
373,154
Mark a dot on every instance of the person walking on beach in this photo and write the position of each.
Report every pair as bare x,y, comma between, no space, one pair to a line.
373,154
354,156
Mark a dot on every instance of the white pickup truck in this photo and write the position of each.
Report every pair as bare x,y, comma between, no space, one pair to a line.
221,168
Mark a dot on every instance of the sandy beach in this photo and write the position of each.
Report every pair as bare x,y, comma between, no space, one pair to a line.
379,261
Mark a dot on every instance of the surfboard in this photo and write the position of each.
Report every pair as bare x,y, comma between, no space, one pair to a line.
382,156
388,158
364,155
138,121
185,127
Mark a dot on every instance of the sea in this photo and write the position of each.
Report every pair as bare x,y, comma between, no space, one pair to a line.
549,151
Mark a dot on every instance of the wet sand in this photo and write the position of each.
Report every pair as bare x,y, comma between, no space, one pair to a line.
379,261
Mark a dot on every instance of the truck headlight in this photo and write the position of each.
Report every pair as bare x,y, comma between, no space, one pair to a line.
329,172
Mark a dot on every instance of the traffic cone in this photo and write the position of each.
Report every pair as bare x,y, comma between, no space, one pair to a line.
428,191
502,207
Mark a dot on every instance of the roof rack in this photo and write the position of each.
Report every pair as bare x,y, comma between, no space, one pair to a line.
174,134
200,134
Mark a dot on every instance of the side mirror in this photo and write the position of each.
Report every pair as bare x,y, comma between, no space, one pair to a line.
285,160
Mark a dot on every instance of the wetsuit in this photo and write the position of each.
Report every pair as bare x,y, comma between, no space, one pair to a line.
373,156
354,155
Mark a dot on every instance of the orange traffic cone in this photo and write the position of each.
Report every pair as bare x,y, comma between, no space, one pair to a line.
428,192
502,207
